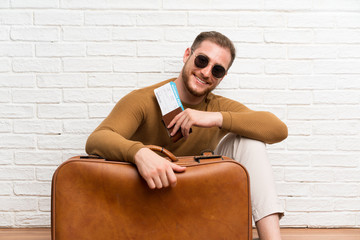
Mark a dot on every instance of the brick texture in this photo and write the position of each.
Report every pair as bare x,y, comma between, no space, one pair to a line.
64,65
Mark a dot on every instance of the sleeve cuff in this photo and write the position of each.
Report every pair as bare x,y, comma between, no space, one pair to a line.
132,151
227,121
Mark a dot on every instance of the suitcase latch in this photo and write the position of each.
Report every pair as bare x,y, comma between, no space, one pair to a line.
198,158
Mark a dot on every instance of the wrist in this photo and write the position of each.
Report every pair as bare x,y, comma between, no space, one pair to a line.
138,157
220,120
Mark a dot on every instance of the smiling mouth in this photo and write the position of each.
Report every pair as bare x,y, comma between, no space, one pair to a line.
201,81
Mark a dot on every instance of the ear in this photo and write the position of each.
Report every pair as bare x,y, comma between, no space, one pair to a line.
186,55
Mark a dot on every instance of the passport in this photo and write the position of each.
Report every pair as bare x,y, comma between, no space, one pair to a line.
170,106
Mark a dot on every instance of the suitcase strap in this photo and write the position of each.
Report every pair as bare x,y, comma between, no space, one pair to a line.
173,158
169,154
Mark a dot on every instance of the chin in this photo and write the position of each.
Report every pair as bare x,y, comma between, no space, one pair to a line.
194,87
198,92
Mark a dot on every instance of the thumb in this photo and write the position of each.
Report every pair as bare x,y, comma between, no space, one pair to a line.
177,168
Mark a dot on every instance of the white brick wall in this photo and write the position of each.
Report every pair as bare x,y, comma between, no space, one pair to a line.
64,64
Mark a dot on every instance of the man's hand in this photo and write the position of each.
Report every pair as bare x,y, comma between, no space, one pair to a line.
190,117
156,170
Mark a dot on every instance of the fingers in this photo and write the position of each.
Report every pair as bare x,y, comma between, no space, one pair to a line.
150,183
161,178
174,120
172,178
182,121
176,123
164,178
177,168
158,183
156,171
185,127
156,180
171,175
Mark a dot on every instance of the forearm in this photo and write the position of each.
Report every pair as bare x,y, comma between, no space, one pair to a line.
112,146
262,126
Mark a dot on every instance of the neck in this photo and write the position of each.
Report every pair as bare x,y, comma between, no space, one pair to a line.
184,94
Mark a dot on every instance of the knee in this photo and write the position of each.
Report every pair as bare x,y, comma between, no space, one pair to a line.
237,147
246,149
252,145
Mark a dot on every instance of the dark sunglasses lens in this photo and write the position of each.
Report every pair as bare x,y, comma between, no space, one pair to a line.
201,61
218,71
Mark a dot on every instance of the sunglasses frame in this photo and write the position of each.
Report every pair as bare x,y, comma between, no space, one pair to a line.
208,61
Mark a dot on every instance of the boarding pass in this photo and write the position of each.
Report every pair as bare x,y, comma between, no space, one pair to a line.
168,98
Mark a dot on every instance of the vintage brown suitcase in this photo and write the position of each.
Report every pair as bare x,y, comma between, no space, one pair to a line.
98,199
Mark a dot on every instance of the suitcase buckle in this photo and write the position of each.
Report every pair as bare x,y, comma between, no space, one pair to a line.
198,158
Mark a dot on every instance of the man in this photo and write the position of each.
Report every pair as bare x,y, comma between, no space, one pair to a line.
136,121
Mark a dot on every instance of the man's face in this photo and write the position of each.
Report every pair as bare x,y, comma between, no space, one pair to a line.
200,81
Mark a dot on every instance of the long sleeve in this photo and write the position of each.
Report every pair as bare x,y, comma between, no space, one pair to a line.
111,139
259,125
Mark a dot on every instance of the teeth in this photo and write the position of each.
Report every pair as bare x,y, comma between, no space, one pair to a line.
200,80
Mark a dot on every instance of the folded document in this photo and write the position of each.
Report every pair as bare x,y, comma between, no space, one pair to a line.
170,105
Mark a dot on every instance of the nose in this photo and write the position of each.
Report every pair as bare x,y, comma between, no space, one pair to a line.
206,72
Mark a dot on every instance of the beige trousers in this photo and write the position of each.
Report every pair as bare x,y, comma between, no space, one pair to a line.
252,155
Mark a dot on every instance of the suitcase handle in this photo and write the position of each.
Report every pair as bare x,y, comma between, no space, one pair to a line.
169,154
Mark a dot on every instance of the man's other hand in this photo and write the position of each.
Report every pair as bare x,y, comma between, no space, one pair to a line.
190,117
156,170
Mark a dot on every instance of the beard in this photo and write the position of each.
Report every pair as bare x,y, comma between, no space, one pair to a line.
186,74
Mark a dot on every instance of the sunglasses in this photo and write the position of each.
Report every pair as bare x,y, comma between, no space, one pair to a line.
201,61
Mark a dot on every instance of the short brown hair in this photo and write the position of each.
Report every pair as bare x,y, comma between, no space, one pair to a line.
216,38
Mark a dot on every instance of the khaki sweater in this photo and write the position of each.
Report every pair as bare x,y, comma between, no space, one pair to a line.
136,121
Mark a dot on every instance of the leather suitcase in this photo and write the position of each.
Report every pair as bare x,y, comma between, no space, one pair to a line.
97,199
